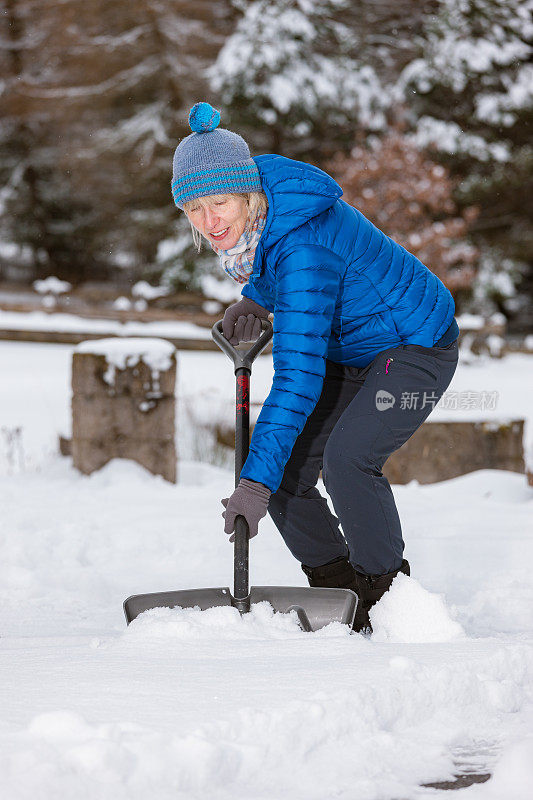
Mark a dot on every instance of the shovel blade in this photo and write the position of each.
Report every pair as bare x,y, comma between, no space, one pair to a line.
315,607
186,598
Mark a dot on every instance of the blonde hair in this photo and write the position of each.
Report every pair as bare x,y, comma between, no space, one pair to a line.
256,201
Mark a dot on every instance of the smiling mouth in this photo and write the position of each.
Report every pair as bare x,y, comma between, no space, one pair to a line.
219,235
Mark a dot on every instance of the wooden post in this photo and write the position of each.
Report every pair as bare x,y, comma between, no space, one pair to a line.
123,404
438,451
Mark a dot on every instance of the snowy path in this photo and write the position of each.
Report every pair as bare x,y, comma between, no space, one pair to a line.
185,705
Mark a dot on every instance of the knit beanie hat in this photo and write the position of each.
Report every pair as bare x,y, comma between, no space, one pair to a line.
211,160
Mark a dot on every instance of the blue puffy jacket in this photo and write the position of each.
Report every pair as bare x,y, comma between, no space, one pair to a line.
339,289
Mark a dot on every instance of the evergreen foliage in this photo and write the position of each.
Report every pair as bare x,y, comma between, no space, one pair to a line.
90,103
290,76
469,95
94,98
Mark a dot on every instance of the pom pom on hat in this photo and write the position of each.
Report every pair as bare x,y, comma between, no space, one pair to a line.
203,118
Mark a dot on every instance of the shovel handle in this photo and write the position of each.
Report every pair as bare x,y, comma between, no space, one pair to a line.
242,358
240,564
242,363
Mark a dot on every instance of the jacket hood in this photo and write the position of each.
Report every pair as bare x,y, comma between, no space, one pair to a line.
296,193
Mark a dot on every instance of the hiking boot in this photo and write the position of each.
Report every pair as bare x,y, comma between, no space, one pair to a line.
340,574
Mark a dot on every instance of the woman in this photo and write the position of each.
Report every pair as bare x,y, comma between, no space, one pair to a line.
364,346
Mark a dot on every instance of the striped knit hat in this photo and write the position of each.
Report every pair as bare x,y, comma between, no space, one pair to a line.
211,160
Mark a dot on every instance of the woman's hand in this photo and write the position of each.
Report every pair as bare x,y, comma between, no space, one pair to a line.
250,500
242,321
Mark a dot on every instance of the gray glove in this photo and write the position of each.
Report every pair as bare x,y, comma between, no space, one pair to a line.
242,321
250,499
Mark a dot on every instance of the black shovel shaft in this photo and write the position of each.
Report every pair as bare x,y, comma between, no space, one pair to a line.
241,580
242,445
242,362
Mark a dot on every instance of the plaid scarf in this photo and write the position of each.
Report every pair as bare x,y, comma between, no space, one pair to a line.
238,261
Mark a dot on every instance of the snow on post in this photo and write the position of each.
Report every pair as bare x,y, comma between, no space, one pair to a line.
123,404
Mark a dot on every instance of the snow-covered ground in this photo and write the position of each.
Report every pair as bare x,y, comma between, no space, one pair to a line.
187,705
57,321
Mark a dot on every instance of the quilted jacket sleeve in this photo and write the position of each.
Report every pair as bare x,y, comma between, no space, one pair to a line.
307,284
251,292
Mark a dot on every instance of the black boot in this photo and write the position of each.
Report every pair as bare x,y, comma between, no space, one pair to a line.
371,588
340,574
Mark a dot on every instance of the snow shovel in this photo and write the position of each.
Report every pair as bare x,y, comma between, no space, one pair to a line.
314,608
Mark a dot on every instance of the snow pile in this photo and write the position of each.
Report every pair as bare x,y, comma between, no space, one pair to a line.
409,613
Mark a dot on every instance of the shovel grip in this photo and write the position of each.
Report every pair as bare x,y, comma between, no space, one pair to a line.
242,357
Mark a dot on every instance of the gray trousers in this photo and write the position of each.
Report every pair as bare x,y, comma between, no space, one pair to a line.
361,417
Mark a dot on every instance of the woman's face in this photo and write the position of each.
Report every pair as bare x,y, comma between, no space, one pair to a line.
221,218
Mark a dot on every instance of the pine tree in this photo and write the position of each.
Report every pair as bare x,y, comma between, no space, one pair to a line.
470,97
290,77
94,99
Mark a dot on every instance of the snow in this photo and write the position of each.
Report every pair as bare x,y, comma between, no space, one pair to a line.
513,775
41,321
497,319
186,704
127,78
212,307
219,289
121,353
146,292
122,304
472,322
409,613
479,53
12,251
168,249
449,137
275,59
51,285
498,109
154,352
